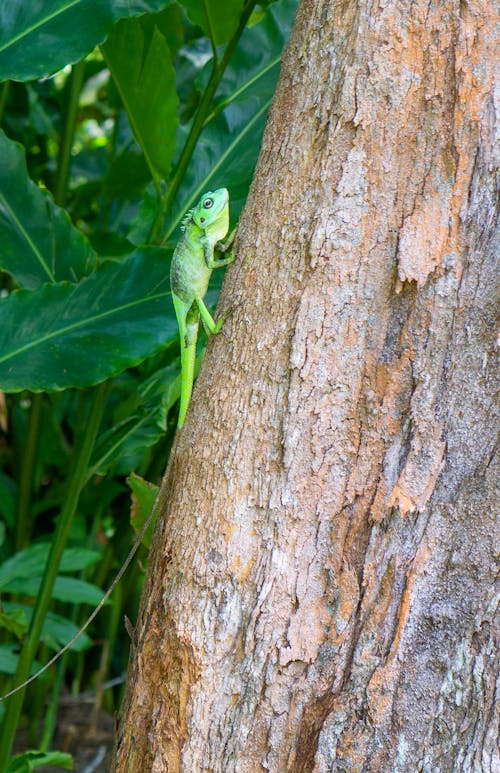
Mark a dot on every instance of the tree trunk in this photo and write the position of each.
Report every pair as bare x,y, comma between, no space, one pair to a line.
320,588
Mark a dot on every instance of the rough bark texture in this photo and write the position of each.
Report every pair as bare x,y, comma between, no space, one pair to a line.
320,594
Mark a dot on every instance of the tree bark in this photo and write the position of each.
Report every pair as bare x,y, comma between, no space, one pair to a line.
320,594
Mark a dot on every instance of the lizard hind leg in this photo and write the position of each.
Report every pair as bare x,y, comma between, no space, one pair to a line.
211,326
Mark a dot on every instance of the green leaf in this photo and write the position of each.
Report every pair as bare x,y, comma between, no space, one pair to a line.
9,656
31,562
78,335
217,19
145,77
225,157
170,22
145,425
15,621
76,559
127,176
144,496
38,241
58,631
253,69
69,589
227,151
30,760
38,37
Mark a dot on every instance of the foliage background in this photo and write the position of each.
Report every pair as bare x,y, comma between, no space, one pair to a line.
115,118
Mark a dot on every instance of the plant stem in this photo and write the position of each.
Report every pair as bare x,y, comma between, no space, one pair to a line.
23,525
64,158
199,121
28,650
51,713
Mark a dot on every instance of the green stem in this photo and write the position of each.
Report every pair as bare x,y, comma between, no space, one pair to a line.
23,525
37,702
199,121
28,650
51,713
64,158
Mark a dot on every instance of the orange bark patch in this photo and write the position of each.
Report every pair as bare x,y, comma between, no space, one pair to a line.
418,478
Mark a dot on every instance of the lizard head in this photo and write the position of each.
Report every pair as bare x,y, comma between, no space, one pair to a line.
212,208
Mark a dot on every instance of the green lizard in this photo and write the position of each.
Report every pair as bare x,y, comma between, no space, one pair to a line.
192,264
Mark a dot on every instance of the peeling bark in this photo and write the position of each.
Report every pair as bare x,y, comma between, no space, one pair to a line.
320,594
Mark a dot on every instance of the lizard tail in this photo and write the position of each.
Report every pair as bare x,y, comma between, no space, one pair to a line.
188,358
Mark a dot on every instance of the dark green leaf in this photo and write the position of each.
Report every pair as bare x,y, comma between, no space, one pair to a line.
8,498
127,175
225,157
69,589
78,335
145,425
38,37
9,656
144,496
170,22
14,621
217,19
144,75
38,243
58,631
31,562
229,145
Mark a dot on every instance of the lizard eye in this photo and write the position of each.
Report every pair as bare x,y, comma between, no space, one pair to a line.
208,203
202,219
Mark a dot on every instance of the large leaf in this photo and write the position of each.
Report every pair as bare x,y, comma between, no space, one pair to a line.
143,72
78,335
38,243
31,561
70,589
38,37
217,19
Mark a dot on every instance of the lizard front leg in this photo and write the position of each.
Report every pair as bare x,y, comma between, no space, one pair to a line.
208,252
